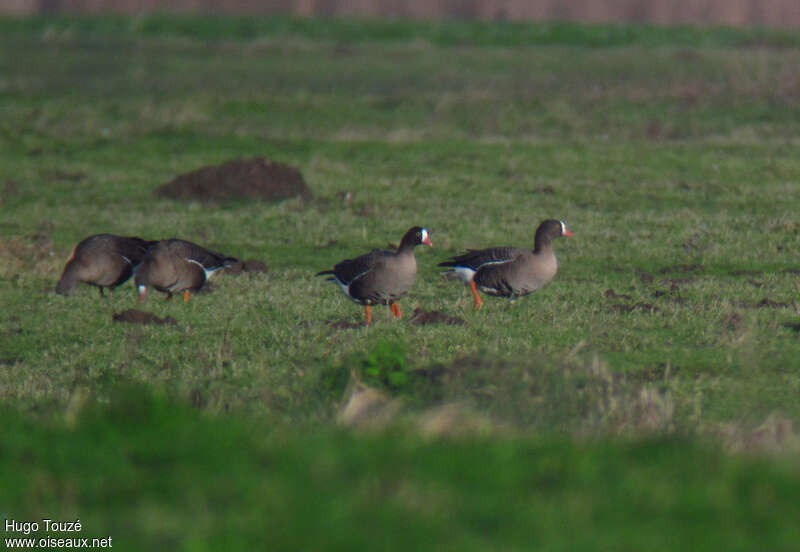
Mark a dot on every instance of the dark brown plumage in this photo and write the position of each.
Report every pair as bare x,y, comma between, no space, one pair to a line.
103,260
175,266
510,271
380,277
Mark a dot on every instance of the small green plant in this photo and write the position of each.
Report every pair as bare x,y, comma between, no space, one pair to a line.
384,366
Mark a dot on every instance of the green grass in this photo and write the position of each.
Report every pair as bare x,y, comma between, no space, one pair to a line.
671,153
155,476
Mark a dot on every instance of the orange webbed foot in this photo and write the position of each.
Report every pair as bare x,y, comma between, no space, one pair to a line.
478,301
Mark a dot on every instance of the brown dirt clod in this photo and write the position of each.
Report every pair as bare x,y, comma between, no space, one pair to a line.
135,316
256,178
767,303
732,322
423,317
611,294
646,278
345,324
251,265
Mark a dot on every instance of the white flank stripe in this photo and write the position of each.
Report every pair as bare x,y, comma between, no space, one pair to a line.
207,272
344,287
487,263
464,274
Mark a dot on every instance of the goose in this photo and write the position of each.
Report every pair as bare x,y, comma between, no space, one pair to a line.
103,260
380,277
510,271
175,266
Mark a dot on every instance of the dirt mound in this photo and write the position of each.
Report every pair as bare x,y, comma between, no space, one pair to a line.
135,316
252,265
423,317
238,179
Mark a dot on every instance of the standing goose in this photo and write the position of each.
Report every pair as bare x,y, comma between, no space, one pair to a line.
510,271
380,277
102,260
175,266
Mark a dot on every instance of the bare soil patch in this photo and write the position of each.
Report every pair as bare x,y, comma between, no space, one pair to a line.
257,178
67,176
732,322
746,273
345,324
646,278
656,373
423,317
136,316
675,282
641,305
611,294
767,303
681,268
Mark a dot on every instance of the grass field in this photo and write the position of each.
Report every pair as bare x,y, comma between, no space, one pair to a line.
660,415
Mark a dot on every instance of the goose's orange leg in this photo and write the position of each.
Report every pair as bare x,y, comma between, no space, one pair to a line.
186,296
474,289
368,314
396,312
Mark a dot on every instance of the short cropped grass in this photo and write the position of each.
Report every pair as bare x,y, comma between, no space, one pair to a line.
671,153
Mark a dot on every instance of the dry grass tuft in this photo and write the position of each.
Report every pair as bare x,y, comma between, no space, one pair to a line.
776,434
367,408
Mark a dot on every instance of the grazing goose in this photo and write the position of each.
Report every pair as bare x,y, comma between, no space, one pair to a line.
380,277
175,266
102,260
510,271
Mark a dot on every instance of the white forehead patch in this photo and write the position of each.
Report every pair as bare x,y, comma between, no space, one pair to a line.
563,227
424,235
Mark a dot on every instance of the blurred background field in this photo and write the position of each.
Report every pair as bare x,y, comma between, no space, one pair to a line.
646,399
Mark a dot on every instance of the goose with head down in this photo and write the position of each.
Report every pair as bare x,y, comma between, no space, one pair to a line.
380,277
510,271
103,260
175,266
